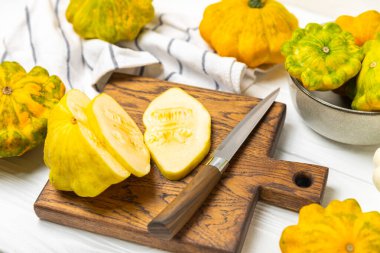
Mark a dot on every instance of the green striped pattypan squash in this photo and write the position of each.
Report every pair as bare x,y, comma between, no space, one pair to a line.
323,57
109,20
367,96
25,102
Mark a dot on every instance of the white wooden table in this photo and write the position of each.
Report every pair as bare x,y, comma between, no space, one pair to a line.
21,179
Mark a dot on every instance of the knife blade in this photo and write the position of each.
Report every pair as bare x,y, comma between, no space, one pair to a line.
175,215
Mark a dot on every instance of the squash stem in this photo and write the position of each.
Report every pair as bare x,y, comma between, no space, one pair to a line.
7,90
350,248
255,3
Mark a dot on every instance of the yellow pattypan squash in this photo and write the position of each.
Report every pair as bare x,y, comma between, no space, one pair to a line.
341,227
367,97
364,27
109,20
25,103
91,145
252,31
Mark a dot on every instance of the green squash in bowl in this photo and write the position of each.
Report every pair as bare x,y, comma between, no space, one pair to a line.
323,57
367,96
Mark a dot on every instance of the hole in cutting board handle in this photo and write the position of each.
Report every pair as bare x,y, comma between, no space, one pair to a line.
303,179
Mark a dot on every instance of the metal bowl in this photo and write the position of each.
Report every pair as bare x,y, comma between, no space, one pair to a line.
329,114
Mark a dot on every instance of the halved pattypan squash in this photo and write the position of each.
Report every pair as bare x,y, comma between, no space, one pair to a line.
367,96
341,227
99,145
25,103
109,20
252,31
323,57
364,27
77,158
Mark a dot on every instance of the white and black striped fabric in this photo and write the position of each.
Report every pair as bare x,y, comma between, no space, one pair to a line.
169,48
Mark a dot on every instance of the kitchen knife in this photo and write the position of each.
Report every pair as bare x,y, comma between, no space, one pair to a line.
170,220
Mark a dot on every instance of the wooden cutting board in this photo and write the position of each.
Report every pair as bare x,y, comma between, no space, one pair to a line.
124,210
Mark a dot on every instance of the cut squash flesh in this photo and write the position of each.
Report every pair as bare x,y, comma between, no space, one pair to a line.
120,134
77,158
178,132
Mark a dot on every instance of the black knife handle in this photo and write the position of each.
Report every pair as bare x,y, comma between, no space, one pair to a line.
175,215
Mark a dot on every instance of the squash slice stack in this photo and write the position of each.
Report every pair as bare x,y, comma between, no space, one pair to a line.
120,134
86,143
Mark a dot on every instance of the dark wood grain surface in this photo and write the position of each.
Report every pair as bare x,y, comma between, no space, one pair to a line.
220,225
168,222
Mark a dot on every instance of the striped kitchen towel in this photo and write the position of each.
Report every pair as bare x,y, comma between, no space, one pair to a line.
169,48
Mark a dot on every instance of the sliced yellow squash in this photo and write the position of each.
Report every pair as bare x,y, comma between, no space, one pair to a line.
77,158
120,134
178,132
